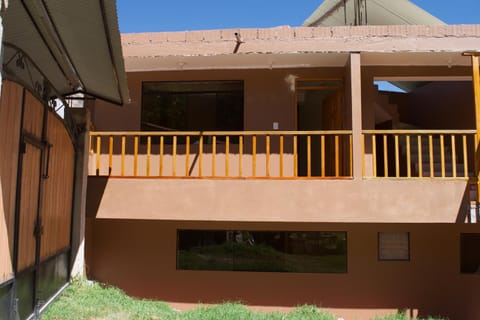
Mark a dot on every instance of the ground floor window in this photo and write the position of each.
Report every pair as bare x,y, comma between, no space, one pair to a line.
393,246
470,253
267,251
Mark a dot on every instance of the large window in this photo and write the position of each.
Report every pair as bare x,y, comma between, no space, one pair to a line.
268,251
192,106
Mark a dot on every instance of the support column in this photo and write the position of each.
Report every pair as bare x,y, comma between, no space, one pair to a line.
80,119
356,103
475,56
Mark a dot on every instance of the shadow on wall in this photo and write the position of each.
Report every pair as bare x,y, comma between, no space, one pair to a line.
463,214
95,191
429,284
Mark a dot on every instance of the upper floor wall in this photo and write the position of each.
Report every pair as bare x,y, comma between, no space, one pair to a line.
439,101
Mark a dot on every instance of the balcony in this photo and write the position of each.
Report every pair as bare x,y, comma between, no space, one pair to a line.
386,154
233,155
404,176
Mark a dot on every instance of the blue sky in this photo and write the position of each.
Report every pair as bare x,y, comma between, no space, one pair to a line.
180,15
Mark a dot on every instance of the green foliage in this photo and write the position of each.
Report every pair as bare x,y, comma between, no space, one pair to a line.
403,316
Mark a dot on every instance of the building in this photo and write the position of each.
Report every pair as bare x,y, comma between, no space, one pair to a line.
46,57
266,166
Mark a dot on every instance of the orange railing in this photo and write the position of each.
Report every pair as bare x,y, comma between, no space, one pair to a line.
447,154
243,154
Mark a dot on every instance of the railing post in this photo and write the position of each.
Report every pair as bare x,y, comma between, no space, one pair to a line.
356,100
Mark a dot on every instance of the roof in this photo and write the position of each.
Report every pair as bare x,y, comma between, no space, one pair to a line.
284,47
375,12
67,46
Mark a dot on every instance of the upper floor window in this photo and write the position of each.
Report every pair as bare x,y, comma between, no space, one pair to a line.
192,106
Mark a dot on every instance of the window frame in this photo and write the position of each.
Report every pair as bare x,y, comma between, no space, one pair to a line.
345,270
239,81
383,259
462,235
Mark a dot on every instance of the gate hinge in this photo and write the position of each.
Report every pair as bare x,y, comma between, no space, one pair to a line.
23,147
38,231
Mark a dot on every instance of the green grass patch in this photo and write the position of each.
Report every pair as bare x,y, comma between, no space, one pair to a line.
84,300
92,301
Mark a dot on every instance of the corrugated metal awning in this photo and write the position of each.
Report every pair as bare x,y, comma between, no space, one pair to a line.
375,12
67,46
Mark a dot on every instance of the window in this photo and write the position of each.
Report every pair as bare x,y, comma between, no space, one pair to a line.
394,246
470,253
192,106
267,251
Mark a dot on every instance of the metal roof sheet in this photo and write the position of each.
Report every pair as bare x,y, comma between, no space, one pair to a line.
73,46
377,12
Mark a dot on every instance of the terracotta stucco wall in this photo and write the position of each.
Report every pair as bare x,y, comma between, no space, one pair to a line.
392,201
144,264
268,96
441,105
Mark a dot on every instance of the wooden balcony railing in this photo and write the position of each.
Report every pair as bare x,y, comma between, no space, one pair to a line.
447,154
244,154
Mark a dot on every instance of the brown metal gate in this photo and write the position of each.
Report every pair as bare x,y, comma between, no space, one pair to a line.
43,207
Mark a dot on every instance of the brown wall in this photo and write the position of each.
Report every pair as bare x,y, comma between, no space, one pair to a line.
268,96
392,201
440,105
139,256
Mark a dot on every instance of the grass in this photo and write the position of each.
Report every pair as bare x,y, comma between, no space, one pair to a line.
84,300
91,301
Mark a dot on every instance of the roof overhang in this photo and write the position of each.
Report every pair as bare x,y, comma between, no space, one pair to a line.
303,47
57,48
236,61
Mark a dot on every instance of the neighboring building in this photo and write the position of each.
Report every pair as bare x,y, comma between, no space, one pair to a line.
46,57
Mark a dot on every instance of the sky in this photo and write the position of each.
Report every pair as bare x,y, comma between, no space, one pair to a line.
182,15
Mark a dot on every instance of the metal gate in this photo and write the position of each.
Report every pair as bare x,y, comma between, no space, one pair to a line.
43,208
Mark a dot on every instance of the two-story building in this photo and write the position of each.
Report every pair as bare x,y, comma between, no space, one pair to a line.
46,57
266,166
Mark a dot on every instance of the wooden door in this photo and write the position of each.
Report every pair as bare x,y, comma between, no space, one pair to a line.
321,108
29,189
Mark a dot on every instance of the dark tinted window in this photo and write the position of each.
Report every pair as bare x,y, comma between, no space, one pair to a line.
269,251
470,253
192,106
